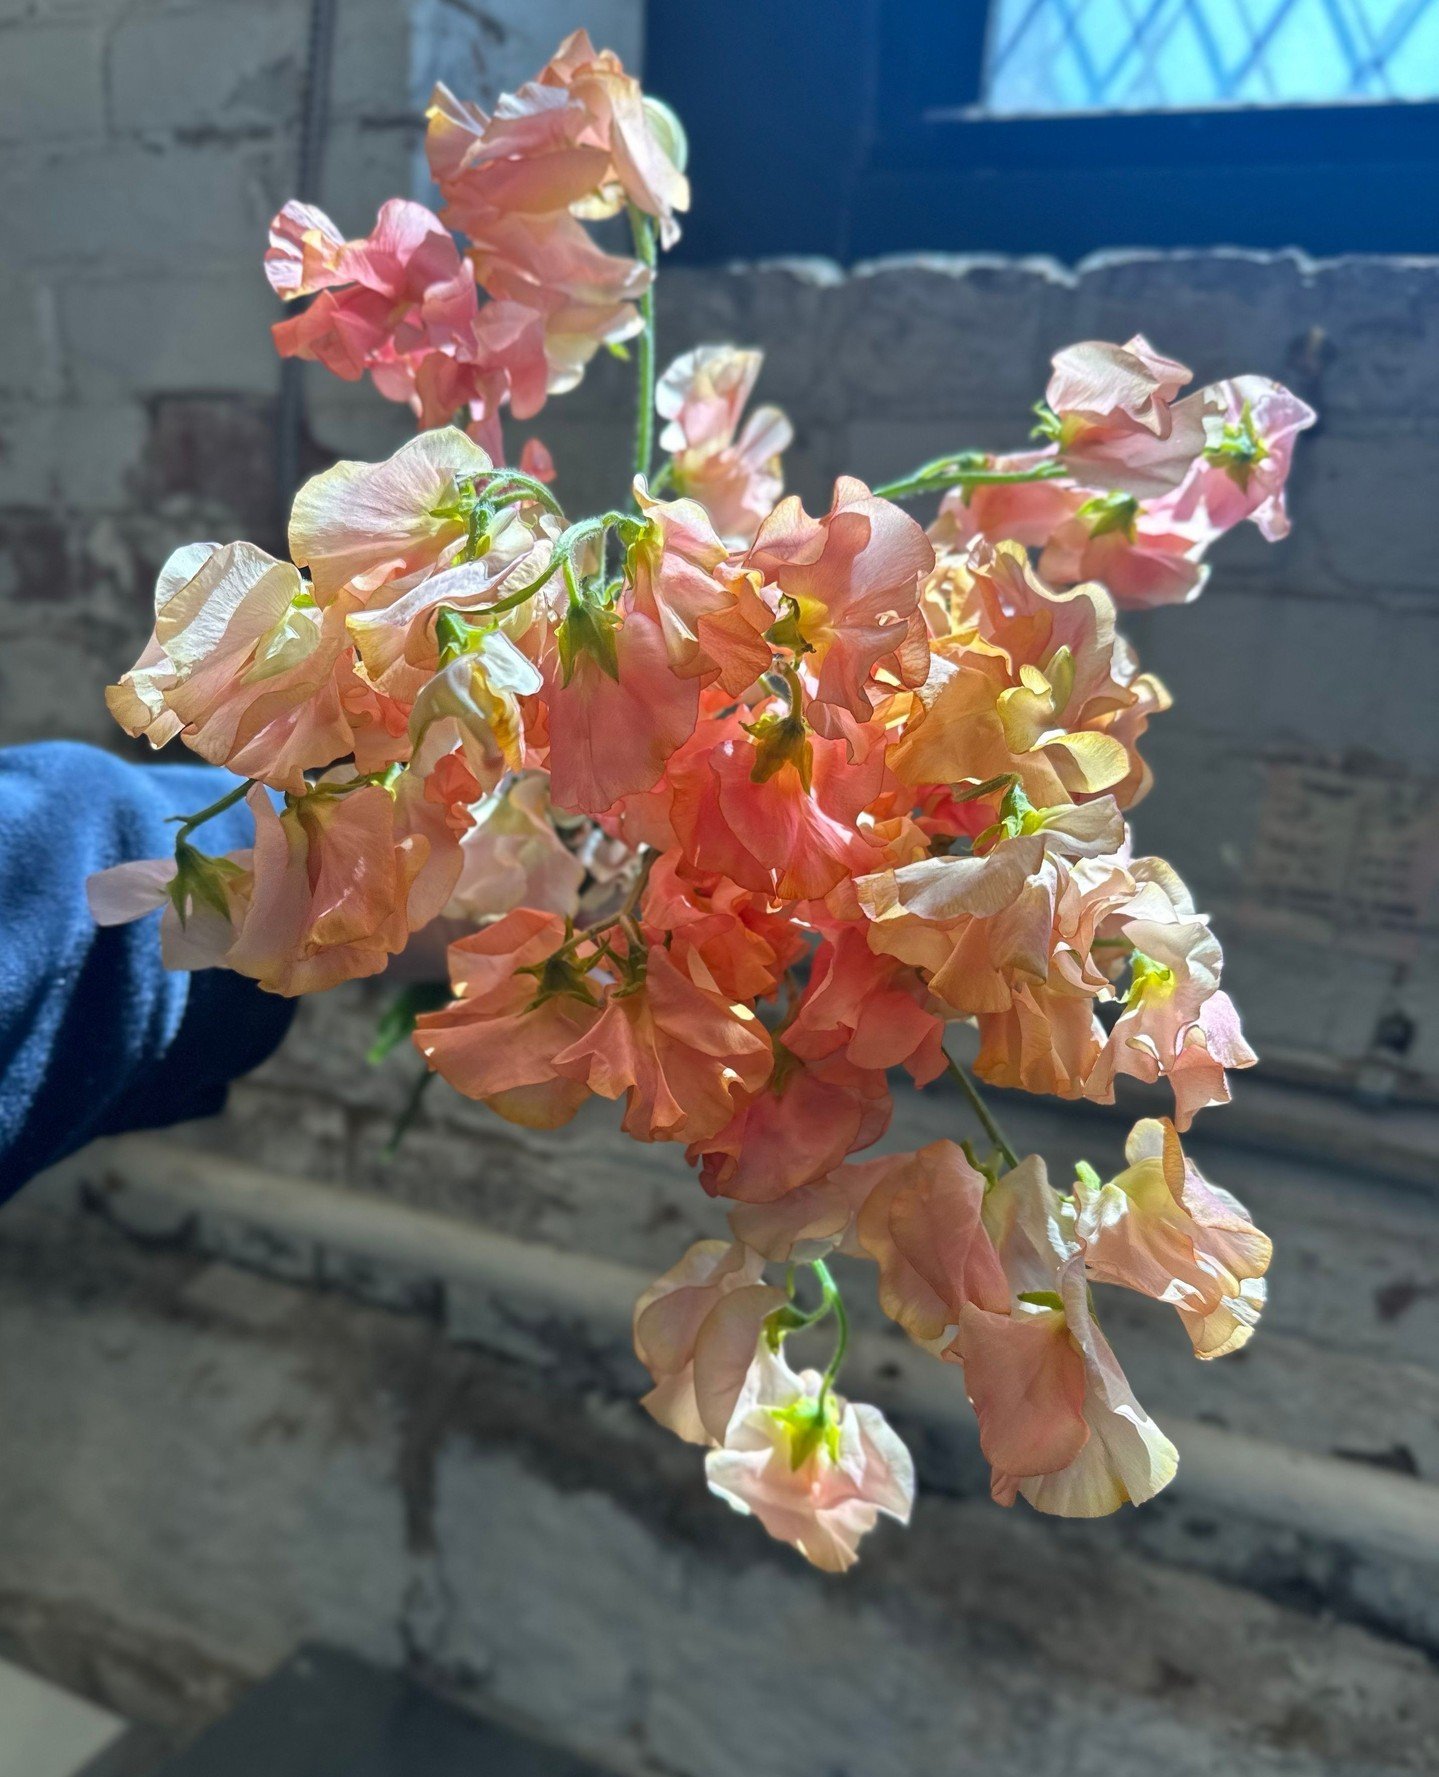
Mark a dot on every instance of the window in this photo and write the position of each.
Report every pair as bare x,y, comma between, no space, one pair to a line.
857,127
1045,57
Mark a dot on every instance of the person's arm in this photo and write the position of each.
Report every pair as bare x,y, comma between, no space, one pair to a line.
96,1035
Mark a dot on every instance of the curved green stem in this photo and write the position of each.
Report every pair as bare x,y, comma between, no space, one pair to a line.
188,823
643,230
964,470
832,1300
982,1111
504,481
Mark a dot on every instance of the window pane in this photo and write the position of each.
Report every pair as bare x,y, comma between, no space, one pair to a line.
1154,55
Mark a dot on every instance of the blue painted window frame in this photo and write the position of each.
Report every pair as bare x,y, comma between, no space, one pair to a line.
846,128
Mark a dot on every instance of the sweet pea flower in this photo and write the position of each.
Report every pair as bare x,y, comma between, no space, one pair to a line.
243,666
679,1054
617,713
718,931
866,1007
340,883
810,1118
851,581
1030,682
811,1221
1159,1227
696,1331
477,697
1176,1023
711,616
357,527
921,1223
1058,1421
1112,413
579,137
775,808
815,1469
522,995
1026,512
733,473
204,901
1143,554
512,856
1250,428
401,305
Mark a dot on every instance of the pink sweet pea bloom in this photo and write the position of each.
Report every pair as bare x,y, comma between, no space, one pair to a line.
401,305
867,1008
921,1223
1144,555
816,1470
1027,512
1250,428
1115,419
853,577
696,1331
733,473
339,885
1058,1421
520,998
680,1055
243,666
813,1220
1161,1228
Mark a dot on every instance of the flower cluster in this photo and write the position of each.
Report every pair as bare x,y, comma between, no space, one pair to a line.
738,806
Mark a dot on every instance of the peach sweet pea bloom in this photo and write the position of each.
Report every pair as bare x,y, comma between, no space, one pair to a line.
512,856
518,1002
921,1223
679,1054
866,1008
853,577
711,615
1159,1227
1144,555
1058,1421
813,1220
1030,681
340,883
734,473
358,526
815,1473
477,698
696,1331
1116,422
811,1118
242,665
718,931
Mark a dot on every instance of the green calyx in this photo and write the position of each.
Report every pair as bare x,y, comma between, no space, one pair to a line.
560,976
456,635
1236,447
587,628
785,631
1047,424
1043,1299
1111,512
780,741
201,880
1017,816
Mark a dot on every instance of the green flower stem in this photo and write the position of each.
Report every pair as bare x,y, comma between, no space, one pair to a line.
948,472
643,230
506,481
982,1111
832,1301
188,823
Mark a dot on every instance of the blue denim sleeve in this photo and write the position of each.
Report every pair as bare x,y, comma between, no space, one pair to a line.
96,1035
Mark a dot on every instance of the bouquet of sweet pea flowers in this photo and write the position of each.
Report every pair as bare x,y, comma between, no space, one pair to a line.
731,808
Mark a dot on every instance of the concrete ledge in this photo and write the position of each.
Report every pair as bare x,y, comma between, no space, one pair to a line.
535,1303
